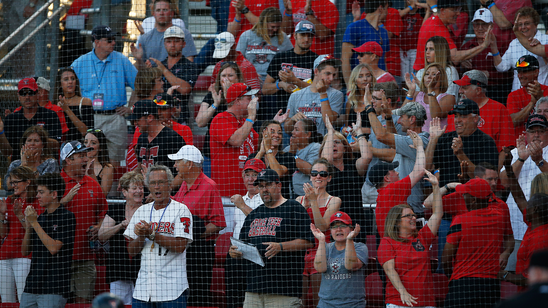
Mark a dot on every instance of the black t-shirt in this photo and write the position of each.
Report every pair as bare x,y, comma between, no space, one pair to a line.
282,273
187,71
347,184
16,124
301,65
222,108
287,160
120,266
156,152
50,274
85,114
479,147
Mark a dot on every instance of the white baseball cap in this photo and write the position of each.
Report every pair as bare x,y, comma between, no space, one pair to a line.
483,14
188,152
174,31
72,147
223,43
43,83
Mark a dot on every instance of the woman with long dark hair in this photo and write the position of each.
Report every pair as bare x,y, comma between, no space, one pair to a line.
101,170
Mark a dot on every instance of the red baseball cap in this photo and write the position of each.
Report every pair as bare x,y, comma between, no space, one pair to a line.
342,217
254,164
27,83
478,188
238,90
371,47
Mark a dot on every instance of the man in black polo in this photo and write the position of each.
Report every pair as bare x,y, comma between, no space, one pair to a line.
288,71
31,114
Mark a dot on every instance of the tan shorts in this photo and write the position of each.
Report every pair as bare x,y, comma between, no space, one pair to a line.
261,300
82,282
115,129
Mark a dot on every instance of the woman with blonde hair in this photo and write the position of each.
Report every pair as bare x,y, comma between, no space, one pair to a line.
404,253
361,76
260,44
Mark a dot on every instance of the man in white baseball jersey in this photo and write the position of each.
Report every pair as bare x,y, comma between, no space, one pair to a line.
160,231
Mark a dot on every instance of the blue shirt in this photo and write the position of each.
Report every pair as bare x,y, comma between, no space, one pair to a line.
109,77
361,31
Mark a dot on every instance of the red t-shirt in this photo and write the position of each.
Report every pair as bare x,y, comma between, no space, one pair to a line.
412,263
60,114
517,100
431,27
183,131
203,199
390,196
411,25
386,77
255,7
478,236
459,29
495,122
89,206
248,70
534,240
483,61
393,24
327,14
11,247
227,162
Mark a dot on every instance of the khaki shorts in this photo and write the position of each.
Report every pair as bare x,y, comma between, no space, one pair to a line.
82,282
115,129
261,300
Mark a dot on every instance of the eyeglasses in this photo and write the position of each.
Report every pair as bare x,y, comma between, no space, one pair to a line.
27,92
13,183
337,226
94,130
315,173
409,216
156,183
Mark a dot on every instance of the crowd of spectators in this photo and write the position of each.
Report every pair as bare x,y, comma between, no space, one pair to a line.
418,141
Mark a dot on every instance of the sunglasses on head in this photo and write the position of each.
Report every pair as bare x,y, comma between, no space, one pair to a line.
26,92
94,130
221,40
160,102
315,173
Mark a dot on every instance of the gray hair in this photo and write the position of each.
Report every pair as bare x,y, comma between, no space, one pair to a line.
156,167
541,100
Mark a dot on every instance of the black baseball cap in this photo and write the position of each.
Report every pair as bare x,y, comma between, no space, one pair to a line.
143,108
267,175
465,107
536,120
539,259
100,32
527,63
379,170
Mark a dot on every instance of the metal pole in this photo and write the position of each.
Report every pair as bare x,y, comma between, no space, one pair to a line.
96,19
54,51
339,34
105,12
40,48
31,35
183,10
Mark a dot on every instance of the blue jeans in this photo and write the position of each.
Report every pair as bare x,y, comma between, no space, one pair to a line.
176,303
219,12
29,300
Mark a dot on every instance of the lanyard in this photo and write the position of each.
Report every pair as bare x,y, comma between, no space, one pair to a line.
102,73
152,208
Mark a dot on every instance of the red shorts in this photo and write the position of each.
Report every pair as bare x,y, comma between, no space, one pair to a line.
309,263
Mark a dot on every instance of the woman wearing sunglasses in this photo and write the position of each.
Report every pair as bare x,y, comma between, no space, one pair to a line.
14,267
320,206
404,253
77,109
101,170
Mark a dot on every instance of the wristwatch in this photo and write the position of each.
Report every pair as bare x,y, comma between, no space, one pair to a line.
245,10
152,235
269,151
541,163
311,12
5,221
505,275
433,93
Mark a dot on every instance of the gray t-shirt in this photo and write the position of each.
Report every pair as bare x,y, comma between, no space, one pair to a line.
308,154
341,287
406,156
369,192
308,103
259,52
153,45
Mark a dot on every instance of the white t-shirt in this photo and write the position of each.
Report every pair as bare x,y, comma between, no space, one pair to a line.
162,276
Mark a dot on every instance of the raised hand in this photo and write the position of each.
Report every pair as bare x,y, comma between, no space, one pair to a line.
357,127
310,193
137,52
328,124
463,175
30,214
435,128
433,82
411,84
280,116
352,235
367,97
139,25
521,144
252,108
317,233
417,140
172,89
457,145
431,178
63,103
356,10
72,192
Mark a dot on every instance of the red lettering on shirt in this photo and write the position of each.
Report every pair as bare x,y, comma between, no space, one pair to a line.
186,222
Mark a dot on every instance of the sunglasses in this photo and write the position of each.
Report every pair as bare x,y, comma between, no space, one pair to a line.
160,102
221,40
315,173
110,39
361,54
94,130
27,92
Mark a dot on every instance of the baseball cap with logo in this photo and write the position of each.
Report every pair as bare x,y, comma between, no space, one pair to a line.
464,107
223,42
164,100
238,90
322,58
174,31
27,83
478,188
43,83
254,164
536,120
188,152
473,77
72,147
100,32
305,26
527,63
143,108
370,47
342,217
267,175
484,15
